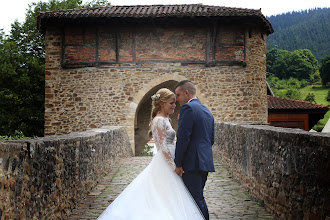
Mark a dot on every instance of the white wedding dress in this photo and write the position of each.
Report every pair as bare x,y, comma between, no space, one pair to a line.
157,193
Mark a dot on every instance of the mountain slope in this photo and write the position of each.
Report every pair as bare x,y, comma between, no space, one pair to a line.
302,30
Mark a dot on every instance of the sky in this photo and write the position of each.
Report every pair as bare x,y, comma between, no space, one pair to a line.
11,10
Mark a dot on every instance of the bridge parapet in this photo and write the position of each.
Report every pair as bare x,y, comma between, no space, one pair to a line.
287,169
45,178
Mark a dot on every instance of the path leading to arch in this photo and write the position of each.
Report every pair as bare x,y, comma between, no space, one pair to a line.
225,198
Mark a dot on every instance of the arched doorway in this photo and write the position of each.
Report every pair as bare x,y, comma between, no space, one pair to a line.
142,117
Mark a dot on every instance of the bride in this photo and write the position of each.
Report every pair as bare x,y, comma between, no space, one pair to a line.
157,193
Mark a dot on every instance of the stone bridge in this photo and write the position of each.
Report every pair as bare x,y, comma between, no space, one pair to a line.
262,172
225,197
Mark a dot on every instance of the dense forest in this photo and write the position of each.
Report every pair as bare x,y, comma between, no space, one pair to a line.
309,29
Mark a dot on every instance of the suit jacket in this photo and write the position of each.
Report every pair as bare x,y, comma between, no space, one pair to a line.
195,138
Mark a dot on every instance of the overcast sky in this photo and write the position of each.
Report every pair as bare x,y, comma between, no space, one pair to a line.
16,9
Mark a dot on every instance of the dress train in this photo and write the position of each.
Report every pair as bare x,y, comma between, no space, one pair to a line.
157,193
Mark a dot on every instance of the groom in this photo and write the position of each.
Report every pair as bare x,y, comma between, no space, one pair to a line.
195,137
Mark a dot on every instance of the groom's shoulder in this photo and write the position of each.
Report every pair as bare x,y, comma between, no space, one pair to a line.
191,105
195,103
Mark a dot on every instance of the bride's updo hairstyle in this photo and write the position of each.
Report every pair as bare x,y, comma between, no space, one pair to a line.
162,96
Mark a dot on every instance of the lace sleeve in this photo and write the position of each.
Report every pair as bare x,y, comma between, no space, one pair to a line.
159,136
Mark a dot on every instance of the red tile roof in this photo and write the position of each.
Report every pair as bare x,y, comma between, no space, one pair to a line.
156,11
278,103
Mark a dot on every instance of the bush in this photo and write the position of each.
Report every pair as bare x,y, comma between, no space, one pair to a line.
303,83
293,94
315,77
328,96
280,94
17,136
147,151
284,84
293,83
281,84
318,127
310,98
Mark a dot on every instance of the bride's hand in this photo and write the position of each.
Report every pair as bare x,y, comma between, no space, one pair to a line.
179,171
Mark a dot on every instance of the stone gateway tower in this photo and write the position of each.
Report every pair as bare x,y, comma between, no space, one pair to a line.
103,64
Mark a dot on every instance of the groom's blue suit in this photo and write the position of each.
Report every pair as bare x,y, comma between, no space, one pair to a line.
195,137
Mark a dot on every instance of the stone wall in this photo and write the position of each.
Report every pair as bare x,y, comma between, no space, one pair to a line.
45,178
109,94
287,169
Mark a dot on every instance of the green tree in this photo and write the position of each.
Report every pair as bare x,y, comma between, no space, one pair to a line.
305,64
325,71
310,98
315,78
273,82
300,64
22,68
21,92
272,56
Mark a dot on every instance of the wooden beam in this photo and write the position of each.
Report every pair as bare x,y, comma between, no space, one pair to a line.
117,46
63,46
207,56
133,46
244,50
97,45
215,24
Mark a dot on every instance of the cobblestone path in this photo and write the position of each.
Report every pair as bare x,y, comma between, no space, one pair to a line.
224,196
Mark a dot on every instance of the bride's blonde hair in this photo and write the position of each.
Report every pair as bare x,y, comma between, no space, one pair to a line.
162,96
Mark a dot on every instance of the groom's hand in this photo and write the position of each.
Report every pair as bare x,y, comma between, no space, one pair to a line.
179,171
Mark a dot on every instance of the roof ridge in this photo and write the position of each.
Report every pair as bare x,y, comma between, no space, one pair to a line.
159,5
177,11
300,101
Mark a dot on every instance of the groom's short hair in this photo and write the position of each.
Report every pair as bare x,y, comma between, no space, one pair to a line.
186,85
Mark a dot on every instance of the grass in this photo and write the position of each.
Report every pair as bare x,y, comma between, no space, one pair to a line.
319,91
326,118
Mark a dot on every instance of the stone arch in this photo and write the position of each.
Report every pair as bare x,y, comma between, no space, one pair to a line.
142,116
140,109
